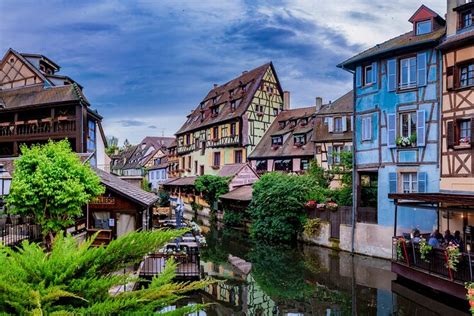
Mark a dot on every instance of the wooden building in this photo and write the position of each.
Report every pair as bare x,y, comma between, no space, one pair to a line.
38,104
229,122
288,145
333,132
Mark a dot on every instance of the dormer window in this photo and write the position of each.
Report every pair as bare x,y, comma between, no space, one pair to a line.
424,27
293,123
466,19
214,111
277,140
281,125
234,104
304,121
299,139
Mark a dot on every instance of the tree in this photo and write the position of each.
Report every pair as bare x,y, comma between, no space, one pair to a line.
126,144
52,185
277,208
75,278
112,145
212,187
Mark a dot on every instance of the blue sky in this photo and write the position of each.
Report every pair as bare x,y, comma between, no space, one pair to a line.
146,64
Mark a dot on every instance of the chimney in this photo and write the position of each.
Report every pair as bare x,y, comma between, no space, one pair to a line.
216,85
244,72
319,103
452,16
286,100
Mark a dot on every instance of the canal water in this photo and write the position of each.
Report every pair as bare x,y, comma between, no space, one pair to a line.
260,279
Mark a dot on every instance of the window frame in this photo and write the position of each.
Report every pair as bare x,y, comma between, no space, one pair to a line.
410,116
279,143
304,164
337,128
297,139
261,165
461,16
422,23
409,85
216,159
287,162
336,154
412,181
238,153
367,80
460,67
364,136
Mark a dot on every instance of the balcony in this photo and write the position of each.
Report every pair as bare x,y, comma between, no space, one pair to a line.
37,128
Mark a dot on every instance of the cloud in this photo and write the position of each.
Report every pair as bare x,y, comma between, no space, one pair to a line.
128,123
152,126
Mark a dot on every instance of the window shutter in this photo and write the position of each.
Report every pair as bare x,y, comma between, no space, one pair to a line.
330,124
352,122
450,134
422,182
392,179
374,72
391,74
391,130
329,154
450,78
472,132
422,68
344,123
369,127
420,127
358,76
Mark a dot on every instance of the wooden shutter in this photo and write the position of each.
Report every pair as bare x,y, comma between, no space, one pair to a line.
450,78
391,74
472,132
422,182
421,64
420,127
358,76
391,130
392,180
329,154
374,72
344,123
450,134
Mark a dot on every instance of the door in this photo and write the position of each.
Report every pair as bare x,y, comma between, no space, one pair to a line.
125,224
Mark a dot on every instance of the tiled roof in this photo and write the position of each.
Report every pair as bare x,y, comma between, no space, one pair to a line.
163,164
183,181
243,193
126,189
400,42
288,149
461,38
249,80
344,104
37,95
231,170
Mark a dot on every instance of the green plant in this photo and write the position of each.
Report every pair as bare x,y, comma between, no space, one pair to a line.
75,278
212,187
277,209
425,249
146,185
400,242
470,295
195,207
312,227
322,177
164,199
453,254
52,185
233,218
406,141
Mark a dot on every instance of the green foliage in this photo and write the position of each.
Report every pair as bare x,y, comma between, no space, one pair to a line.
164,199
212,187
425,249
75,278
312,227
319,174
277,208
233,218
146,184
52,185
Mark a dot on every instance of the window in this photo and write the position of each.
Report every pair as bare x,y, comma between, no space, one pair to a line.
183,162
261,165
217,159
201,170
275,111
234,104
215,132
423,27
189,163
233,129
260,109
214,111
91,141
283,165
318,149
407,124
409,182
203,148
366,128
304,164
408,72
195,167
368,75
188,139
464,131
299,139
238,156
466,75
281,124
304,121
466,19
336,154
338,124
277,140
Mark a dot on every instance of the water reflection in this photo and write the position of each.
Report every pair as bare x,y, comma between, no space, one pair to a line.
260,279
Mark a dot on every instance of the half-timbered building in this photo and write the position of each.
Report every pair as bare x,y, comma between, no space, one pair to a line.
397,99
38,104
229,122
333,133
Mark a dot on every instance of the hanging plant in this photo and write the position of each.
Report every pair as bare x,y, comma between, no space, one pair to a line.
470,295
399,249
425,249
453,254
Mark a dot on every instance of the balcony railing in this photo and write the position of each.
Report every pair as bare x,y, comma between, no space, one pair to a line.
188,265
38,127
435,263
14,230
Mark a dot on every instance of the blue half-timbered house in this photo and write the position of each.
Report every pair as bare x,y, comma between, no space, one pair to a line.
397,93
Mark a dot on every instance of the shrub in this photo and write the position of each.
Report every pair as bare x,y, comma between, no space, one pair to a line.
232,218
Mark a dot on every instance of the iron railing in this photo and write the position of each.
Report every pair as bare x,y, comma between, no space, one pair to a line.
188,264
14,230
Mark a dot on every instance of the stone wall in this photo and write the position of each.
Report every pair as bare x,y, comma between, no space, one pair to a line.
370,239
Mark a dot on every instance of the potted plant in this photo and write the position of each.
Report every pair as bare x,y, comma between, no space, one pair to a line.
311,204
332,206
453,254
406,141
424,249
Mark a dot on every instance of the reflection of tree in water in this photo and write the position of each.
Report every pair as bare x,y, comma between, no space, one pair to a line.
279,271
222,242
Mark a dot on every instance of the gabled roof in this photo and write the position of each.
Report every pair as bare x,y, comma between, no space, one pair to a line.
249,80
400,43
146,150
126,189
265,149
38,95
243,193
230,170
424,13
183,181
26,63
26,55
344,104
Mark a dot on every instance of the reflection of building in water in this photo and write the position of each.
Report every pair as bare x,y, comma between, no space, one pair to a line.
259,303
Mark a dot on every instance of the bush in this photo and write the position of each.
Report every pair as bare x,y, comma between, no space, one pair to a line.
232,218
312,227
212,187
277,208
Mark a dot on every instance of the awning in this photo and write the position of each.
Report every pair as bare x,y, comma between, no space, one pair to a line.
455,199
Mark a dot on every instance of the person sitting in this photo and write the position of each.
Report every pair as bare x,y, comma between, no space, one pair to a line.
439,236
457,240
416,236
433,241
448,237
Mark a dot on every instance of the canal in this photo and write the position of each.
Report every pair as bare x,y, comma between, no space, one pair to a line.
259,279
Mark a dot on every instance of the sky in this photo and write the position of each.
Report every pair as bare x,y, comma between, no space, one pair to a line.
145,65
